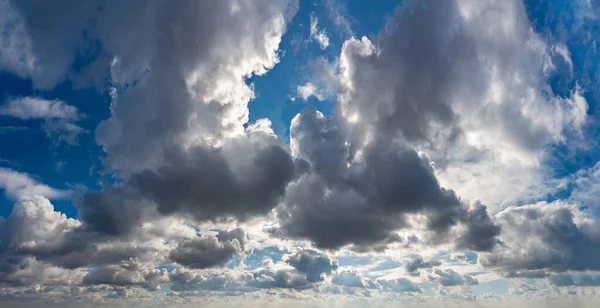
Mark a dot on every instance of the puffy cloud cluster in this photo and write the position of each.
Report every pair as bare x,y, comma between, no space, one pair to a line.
416,262
445,93
449,277
313,264
360,194
545,237
204,252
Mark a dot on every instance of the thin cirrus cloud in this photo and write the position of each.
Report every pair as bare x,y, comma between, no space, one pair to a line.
439,146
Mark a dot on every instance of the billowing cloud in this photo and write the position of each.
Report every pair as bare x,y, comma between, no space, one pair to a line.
447,112
449,277
361,196
205,252
313,263
545,237
353,279
416,262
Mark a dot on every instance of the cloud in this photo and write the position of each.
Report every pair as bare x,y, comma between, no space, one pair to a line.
308,90
119,276
585,187
34,228
545,237
416,262
354,196
401,285
211,251
444,95
15,44
338,14
17,185
354,279
449,278
318,35
38,108
313,263
58,116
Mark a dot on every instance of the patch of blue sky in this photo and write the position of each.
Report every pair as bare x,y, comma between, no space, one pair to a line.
496,287
386,264
56,164
572,24
276,91
354,260
258,256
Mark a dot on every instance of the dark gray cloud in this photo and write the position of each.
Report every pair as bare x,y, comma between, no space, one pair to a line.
312,263
210,251
347,199
113,211
545,237
417,262
207,185
449,277
242,180
121,276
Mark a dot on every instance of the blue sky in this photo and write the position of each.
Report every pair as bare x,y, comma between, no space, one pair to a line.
289,152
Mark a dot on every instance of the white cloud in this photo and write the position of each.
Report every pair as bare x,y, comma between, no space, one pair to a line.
318,35
17,185
15,44
26,108
308,90
58,116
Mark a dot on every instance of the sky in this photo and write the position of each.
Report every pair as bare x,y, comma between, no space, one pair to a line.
293,153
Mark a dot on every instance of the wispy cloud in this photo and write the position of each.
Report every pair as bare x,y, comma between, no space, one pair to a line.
17,185
27,108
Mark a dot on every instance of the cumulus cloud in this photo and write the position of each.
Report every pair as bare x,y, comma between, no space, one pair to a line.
361,196
205,252
353,279
449,277
313,263
444,94
416,262
35,229
545,237
17,185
